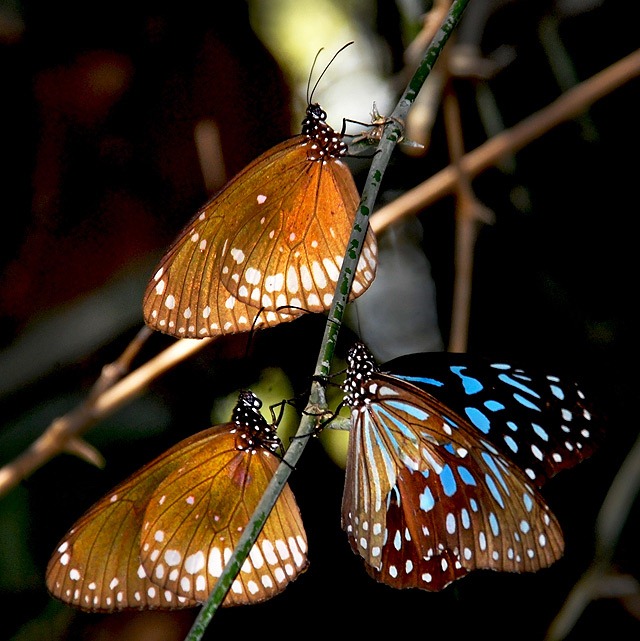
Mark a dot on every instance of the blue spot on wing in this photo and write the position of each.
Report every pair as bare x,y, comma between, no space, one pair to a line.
478,419
411,409
493,489
523,388
471,385
494,406
465,475
488,459
387,418
426,500
526,402
448,481
540,432
493,521
511,444
421,379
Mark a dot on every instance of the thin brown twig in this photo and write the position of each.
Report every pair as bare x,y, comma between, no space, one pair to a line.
566,107
106,396
470,214
601,579
113,372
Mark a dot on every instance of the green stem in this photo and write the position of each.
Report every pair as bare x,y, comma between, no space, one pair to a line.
392,133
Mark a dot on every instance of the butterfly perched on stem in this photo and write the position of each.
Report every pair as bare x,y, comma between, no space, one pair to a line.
162,537
268,246
445,457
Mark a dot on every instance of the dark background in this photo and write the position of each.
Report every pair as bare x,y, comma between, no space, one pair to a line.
99,174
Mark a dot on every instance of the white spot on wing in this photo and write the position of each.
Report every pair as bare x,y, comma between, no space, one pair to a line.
238,255
252,276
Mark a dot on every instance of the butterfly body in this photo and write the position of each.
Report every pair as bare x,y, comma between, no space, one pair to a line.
161,538
428,495
266,247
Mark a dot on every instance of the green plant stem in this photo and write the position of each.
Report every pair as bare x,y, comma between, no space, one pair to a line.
392,134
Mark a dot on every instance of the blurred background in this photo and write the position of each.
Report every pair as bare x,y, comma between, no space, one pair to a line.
119,120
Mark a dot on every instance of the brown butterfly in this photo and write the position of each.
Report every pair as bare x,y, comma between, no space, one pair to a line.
268,246
161,538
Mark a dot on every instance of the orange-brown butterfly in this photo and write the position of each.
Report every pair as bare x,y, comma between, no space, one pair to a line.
161,538
268,245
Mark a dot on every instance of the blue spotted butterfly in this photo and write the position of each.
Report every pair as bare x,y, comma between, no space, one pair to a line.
442,470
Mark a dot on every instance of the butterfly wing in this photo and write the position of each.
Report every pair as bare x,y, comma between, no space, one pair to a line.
186,296
194,519
543,422
426,499
288,251
96,567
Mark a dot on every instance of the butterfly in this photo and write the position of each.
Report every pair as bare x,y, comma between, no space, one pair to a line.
446,455
266,247
162,537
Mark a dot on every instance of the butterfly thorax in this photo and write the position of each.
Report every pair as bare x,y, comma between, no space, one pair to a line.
253,430
325,142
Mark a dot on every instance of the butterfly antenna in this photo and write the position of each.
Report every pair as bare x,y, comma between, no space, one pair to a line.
252,331
335,55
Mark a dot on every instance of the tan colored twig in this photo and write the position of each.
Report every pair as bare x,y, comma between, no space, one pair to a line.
470,214
109,393
602,580
567,106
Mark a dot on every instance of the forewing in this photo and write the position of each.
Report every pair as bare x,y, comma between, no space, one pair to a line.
542,421
96,566
197,514
374,458
289,254
186,296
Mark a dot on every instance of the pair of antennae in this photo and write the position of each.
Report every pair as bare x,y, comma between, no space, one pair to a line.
335,55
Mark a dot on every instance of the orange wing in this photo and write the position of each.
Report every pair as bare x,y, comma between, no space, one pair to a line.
114,557
193,522
289,250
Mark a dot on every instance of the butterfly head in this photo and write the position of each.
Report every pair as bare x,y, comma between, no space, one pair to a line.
253,430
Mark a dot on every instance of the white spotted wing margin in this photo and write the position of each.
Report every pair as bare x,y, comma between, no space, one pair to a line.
427,500
185,297
161,538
